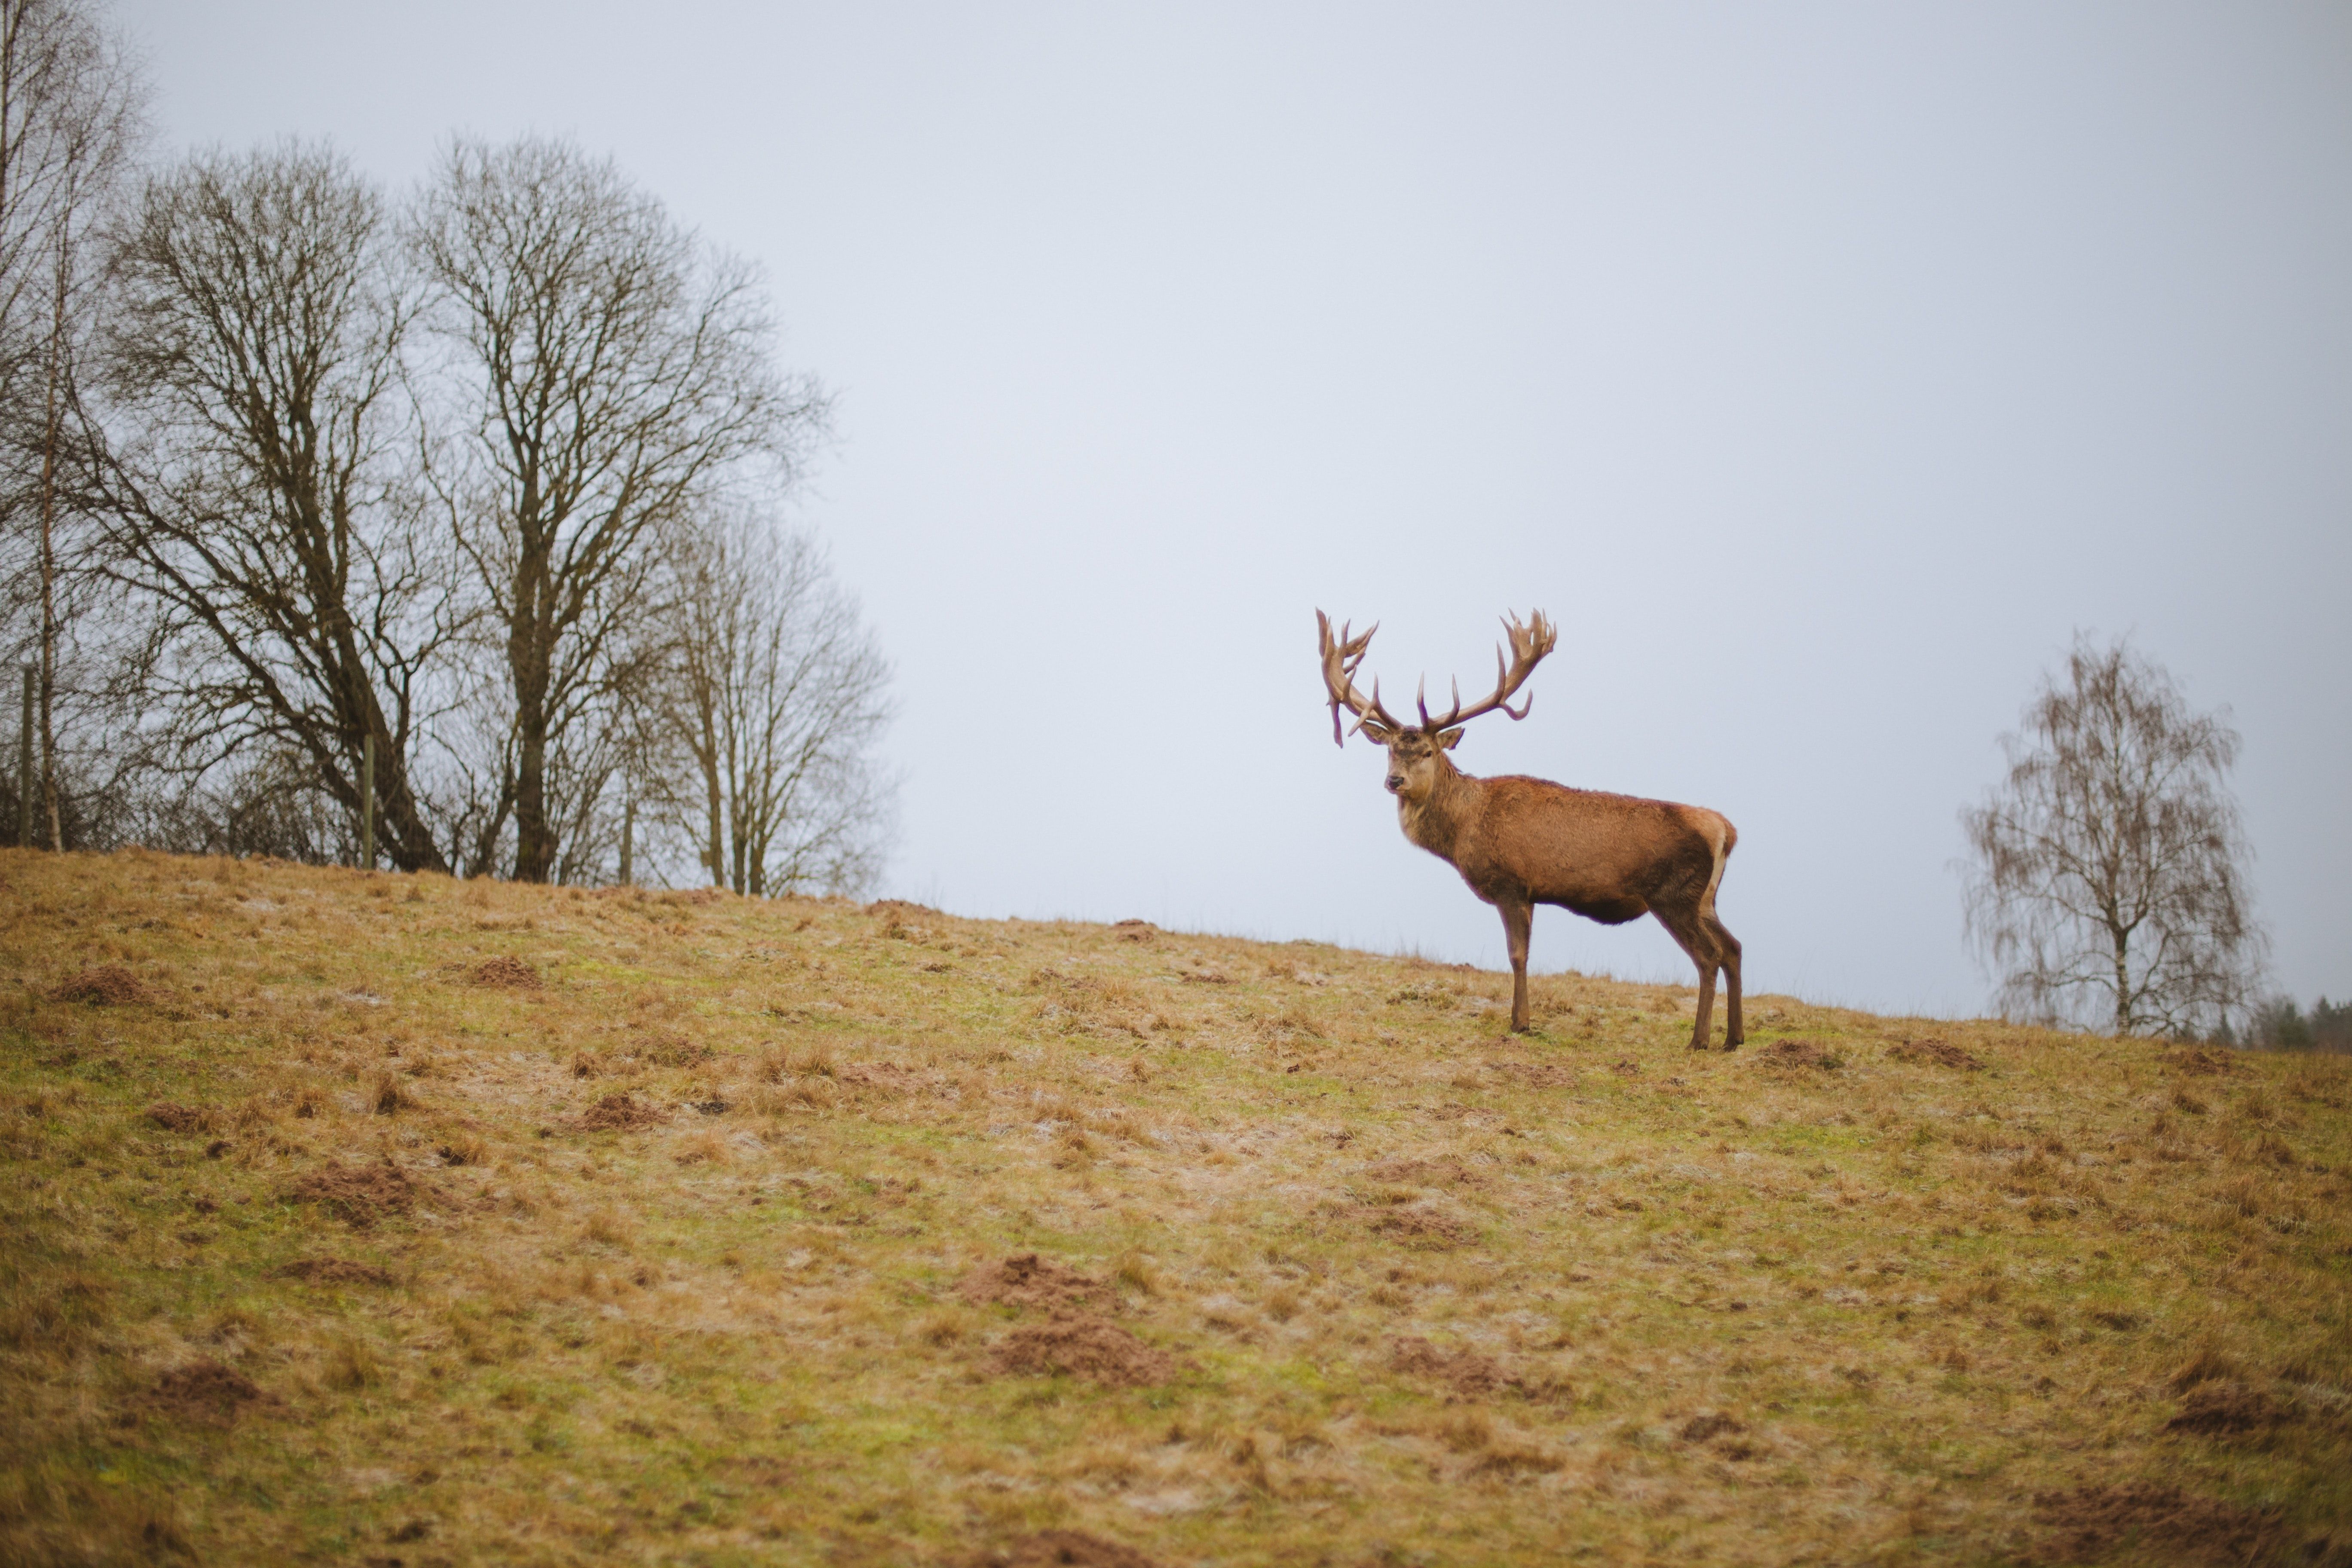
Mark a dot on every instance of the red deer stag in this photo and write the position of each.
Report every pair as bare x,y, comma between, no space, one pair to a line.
1520,842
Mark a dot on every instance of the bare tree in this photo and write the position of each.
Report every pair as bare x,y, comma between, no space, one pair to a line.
70,102
2108,886
603,371
256,481
776,697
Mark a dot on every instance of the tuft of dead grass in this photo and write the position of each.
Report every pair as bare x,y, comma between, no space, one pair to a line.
106,985
1934,1052
2151,1522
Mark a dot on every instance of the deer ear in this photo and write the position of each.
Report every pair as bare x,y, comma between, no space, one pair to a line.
1381,734
1447,739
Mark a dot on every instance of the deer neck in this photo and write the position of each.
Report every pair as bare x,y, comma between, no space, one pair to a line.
1436,820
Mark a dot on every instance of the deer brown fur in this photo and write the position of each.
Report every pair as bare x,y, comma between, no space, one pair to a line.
1519,842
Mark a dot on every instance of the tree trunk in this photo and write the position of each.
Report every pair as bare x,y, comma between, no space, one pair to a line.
49,553
527,657
714,806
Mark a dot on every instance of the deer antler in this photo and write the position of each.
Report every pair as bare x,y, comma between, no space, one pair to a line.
1530,643
1341,655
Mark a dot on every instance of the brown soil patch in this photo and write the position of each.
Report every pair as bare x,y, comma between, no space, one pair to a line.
1706,1427
506,973
1422,1227
206,1392
1075,1548
2224,1407
1466,1372
108,985
2158,1523
180,1118
1080,1345
1801,1053
1426,1173
618,1113
2200,1062
1030,1280
335,1271
359,1195
1935,1053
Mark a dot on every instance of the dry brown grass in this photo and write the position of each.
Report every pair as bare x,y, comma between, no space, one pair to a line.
682,1228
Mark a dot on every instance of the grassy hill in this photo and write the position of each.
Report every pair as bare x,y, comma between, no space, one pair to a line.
380,1219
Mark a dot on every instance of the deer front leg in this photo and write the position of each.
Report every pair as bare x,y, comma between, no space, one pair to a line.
1518,919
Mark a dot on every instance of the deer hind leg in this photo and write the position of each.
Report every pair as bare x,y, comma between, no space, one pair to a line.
1519,919
1691,934
1734,1036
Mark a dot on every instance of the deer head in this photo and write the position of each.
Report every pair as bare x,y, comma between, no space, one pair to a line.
1416,757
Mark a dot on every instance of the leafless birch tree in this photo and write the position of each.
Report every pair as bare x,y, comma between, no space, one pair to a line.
2108,886
70,102
603,369
777,695
259,481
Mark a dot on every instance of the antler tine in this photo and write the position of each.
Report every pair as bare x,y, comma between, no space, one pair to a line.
1340,657
1530,643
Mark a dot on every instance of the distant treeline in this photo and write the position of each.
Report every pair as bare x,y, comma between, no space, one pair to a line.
2281,1026
466,502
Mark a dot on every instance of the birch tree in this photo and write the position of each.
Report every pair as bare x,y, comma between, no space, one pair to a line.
70,106
777,697
2107,888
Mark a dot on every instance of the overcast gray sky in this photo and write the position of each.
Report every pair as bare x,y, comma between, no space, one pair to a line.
1820,368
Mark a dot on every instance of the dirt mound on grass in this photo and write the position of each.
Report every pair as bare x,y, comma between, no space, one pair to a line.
1030,1280
1078,1344
2225,1406
180,1118
618,1113
1074,1548
108,985
335,1271
1706,1427
1801,1053
206,1392
2159,1523
1934,1053
1467,1373
359,1195
505,974
1422,1227
1425,1173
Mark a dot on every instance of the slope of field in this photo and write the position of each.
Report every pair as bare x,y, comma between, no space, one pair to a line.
397,1220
